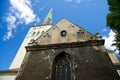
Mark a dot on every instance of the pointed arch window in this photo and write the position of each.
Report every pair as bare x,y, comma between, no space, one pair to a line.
33,34
38,33
42,32
62,68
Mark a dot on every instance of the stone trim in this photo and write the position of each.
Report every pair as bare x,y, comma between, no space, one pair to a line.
65,45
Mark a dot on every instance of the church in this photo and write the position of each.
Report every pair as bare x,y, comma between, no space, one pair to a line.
64,51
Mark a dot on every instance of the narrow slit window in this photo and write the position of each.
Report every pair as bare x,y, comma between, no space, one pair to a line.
38,33
33,34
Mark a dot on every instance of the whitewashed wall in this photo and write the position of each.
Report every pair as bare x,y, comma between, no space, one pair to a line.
11,77
21,52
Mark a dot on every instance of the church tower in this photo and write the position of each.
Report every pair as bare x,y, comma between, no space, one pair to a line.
33,33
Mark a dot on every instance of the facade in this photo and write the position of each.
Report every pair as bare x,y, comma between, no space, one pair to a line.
67,52
64,51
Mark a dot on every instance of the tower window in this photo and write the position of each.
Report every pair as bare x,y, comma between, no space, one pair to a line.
38,33
33,34
42,32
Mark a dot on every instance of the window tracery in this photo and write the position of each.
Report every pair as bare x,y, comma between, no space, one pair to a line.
63,69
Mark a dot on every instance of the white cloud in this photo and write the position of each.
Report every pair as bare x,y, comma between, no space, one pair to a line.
11,22
104,30
7,36
20,12
11,26
109,40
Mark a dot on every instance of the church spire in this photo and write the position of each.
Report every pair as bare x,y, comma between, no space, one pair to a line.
48,18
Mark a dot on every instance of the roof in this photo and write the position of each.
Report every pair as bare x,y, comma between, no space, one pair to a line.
9,72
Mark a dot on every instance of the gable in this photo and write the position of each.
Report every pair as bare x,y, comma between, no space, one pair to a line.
64,32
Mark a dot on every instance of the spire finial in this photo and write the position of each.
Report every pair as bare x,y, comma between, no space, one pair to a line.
48,18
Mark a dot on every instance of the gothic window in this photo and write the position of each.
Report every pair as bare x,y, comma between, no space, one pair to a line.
42,32
62,69
38,33
33,34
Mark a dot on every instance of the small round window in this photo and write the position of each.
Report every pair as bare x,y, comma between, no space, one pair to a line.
63,33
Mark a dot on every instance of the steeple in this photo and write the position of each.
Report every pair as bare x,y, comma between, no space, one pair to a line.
48,18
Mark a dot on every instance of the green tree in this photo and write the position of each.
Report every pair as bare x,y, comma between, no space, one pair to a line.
113,20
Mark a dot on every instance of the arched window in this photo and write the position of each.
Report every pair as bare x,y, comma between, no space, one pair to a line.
42,32
33,34
62,67
38,33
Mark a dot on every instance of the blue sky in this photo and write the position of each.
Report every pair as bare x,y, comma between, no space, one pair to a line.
17,16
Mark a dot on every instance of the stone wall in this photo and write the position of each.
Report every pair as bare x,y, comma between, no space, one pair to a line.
89,63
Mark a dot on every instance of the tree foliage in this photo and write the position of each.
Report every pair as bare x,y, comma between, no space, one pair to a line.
113,20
